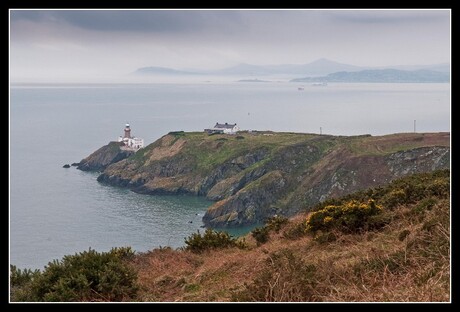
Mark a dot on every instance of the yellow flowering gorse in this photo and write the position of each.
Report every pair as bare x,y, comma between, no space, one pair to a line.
351,216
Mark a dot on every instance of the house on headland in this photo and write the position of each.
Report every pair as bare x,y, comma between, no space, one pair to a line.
225,128
130,142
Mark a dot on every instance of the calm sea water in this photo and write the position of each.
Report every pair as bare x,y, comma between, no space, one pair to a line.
56,211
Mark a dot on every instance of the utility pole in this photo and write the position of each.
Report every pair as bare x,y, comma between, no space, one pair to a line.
320,131
414,125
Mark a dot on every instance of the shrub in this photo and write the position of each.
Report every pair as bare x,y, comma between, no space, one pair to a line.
211,240
284,278
425,204
261,235
177,134
394,198
297,231
275,223
272,224
439,187
378,221
20,277
86,276
402,191
349,217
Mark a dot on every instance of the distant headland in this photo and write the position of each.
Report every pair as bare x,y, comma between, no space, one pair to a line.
259,174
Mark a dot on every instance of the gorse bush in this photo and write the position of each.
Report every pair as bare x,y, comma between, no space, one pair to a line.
362,210
403,191
349,217
394,198
407,261
440,187
295,232
414,188
86,276
275,223
20,277
262,234
425,204
211,240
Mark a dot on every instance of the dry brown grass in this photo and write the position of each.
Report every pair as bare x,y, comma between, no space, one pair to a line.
400,141
408,260
168,148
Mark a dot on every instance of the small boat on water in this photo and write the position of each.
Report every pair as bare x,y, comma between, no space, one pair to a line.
319,84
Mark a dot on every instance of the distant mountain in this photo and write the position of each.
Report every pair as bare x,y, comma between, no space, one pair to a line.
318,68
252,80
381,75
153,70
323,67
243,70
442,67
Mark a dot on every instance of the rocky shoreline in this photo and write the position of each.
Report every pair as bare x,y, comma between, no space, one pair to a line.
103,157
254,176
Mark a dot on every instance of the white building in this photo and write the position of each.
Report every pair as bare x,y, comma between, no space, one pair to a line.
225,128
131,141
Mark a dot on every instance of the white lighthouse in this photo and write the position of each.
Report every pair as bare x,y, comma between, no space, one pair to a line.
131,142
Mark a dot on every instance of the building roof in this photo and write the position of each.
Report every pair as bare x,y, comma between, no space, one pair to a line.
224,126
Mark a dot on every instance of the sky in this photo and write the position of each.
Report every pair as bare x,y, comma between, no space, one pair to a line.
106,45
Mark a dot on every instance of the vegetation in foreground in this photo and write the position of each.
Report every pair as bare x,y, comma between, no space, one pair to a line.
85,276
387,244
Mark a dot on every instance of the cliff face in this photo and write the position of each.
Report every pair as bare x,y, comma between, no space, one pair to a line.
103,157
253,176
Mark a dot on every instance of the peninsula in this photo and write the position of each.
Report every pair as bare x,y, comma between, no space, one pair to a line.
252,176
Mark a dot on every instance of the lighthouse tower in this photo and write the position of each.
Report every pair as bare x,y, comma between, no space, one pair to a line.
127,132
130,142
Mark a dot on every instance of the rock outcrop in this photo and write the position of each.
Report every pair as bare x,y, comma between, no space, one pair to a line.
103,157
253,176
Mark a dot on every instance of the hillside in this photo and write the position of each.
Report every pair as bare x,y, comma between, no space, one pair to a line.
315,68
401,254
385,244
155,70
320,67
253,176
381,75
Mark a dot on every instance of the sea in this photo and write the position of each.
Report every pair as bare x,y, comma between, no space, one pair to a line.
55,211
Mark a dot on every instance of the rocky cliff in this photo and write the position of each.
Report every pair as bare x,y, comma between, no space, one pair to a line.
252,176
105,156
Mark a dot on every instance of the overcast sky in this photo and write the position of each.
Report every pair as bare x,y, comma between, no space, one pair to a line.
65,45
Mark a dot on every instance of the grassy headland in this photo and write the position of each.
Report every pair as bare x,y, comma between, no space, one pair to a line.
253,176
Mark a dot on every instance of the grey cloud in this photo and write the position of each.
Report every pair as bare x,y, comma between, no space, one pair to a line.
32,15
134,20
43,41
388,16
